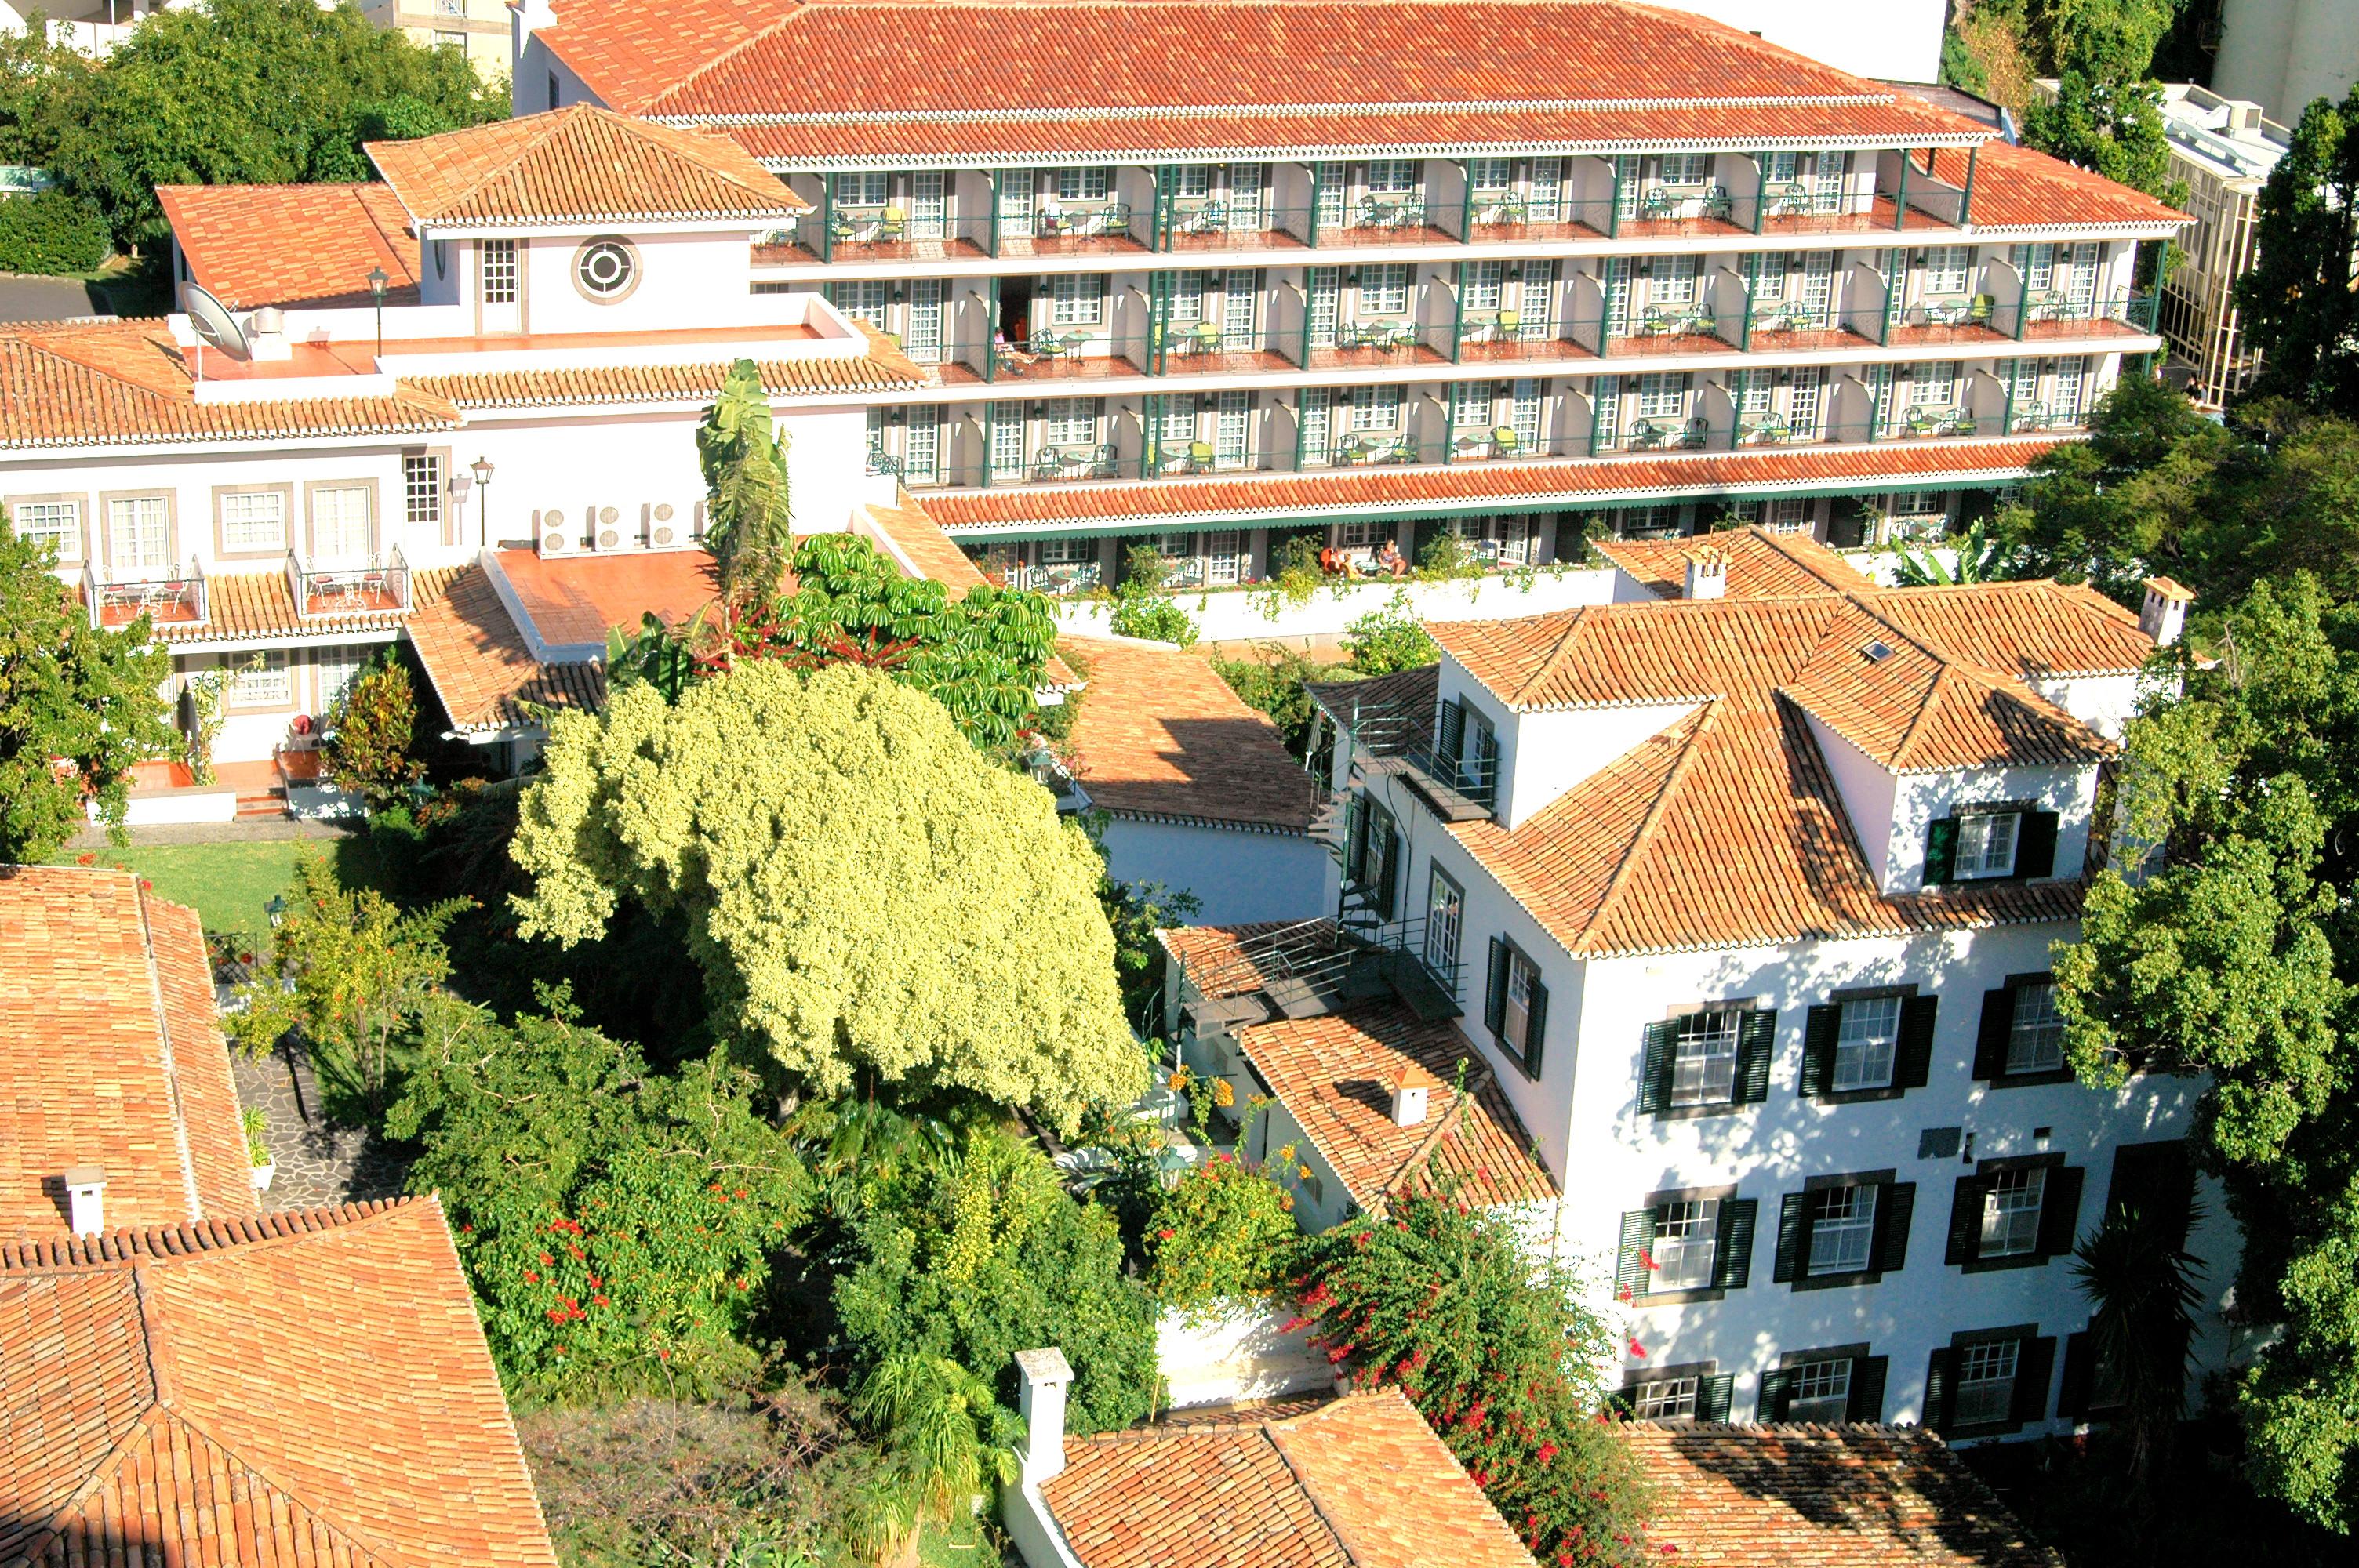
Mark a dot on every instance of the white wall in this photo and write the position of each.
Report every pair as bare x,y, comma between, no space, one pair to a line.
1898,40
1249,1354
1543,755
1921,799
2283,53
1235,615
1239,876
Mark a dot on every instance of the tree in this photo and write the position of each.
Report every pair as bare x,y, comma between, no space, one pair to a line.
616,1223
1979,558
2140,1282
1385,640
239,91
370,731
2107,113
1497,1351
79,705
748,497
863,890
987,1257
2234,957
36,78
2300,312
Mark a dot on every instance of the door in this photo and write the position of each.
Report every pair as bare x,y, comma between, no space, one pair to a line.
1240,296
1326,290
923,341
139,538
1818,287
1244,197
928,211
1802,405
1223,557
334,671
1827,188
1315,436
1327,205
1231,430
1537,302
1625,185
499,286
921,460
340,525
1617,294
2080,282
1547,204
1016,203
1524,414
1007,441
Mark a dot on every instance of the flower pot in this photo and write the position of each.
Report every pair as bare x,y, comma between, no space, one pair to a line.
262,1174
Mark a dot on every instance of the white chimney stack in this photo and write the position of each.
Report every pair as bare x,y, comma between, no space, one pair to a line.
86,1187
1412,1095
2164,615
1046,1375
266,334
1708,573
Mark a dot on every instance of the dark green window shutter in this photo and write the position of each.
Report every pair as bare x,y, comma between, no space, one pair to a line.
1965,1222
1535,1028
2155,1180
1867,1377
1630,1268
1387,869
2033,1368
2072,1395
1793,1238
1940,1373
1912,1061
1355,838
2035,845
1485,767
1756,1041
1451,742
1713,1396
1819,1028
1495,1001
1776,1394
1655,1068
1732,1253
1940,850
2059,1210
1998,1022
1896,1205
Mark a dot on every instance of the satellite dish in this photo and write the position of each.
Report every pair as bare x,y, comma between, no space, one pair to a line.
213,322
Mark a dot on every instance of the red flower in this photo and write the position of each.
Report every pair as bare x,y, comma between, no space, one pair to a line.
599,1301
530,1278
1166,1234
1548,1452
87,858
546,1260
557,1314
594,1281
741,1284
1646,1259
741,1192
1637,1349
663,1355
578,1254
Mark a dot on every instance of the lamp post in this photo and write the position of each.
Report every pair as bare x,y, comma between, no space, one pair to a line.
482,469
376,282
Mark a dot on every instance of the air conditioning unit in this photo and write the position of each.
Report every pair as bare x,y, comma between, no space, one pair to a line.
554,531
661,534
610,536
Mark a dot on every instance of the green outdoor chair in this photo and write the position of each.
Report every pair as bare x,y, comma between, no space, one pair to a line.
1200,456
893,227
1114,221
1505,443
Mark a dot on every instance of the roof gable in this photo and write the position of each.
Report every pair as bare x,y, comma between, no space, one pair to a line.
293,245
1160,734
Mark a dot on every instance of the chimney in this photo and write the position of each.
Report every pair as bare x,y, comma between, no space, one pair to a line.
86,1187
1412,1095
1708,573
2164,615
1045,1376
266,334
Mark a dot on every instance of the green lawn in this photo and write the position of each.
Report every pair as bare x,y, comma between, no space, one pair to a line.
227,884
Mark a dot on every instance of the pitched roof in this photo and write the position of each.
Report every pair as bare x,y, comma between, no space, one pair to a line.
241,606
293,245
909,533
1759,563
2017,186
579,164
481,667
882,369
1334,1075
111,1056
1359,1482
1825,1497
307,1388
1160,734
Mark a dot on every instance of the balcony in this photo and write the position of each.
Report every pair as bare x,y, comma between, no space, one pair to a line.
1313,968
1074,353
168,597
379,587
1512,216
1392,741
2049,315
873,234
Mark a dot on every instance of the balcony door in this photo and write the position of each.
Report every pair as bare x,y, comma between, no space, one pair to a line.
340,525
1240,299
1818,287
500,286
1326,295
1231,430
923,341
1244,197
138,537
928,212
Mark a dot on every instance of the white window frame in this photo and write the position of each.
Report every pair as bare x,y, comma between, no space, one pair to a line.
1819,1390
1077,299
421,489
1703,1056
2011,1205
1842,1230
502,275
1674,280
253,522
1949,269
1984,1394
1392,175
1663,395
1985,849
1088,182
1385,288
341,551
1445,921
139,513
1867,1044
1666,1398
258,680
1686,1248
2034,1037
59,522
1070,421
1376,409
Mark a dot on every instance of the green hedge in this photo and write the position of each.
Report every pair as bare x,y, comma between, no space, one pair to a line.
51,233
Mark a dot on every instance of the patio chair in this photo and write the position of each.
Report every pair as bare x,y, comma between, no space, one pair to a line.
1505,443
1200,456
1113,222
1204,338
1692,436
1792,200
1766,430
1208,218
1506,325
1104,462
1980,309
1717,202
1648,435
2030,416
1926,422
1401,335
893,227
1658,202
840,226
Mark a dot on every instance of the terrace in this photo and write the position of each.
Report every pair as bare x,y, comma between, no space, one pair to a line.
166,595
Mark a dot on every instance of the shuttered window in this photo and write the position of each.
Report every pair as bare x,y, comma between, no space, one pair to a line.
1875,1047
1841,1230
1843,1383
2014,1213
1989,1382
2021,1040
1686,1246
1709,1059
1515,1005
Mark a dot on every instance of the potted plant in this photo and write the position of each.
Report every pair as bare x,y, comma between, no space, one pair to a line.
257,1152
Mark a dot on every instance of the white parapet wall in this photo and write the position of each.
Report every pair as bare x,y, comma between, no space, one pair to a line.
1245,614
1249,1354
181,805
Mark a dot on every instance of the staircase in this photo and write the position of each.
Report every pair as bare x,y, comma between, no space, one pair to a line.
269,807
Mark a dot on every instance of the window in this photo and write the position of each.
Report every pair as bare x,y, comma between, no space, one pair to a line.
863,302
58,523
1986,1387
1223,556
1665,1398
1445,916
1820,1392
421,489
2035,1039
1790,517
1947,268
1470,404
1195,179
1686,1238
1934,383
1361,536
1376,409
1485,284
1842,1230
1077,297
863,187
1769,277
1179,419
1489,173
1188,296
605,270
254,522
2011,1213
1674,280
499,272
335,670
1516,1010
1082,184
1392,175
1066,551
258,680
1070,421
446,39
339,525
1371,853
451,9
1383,290
1866,1040
1704,1062
1686,168
1662,394
138,535
1986,844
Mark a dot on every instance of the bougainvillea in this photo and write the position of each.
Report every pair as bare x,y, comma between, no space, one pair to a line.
1222,1236
863,890
616,1223
1497,1351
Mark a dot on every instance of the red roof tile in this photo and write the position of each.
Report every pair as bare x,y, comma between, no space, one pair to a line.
245,605
579,599
2018,188
1757,563
293,245
1824,1497
303,1389
480,668
1160,734
111,1056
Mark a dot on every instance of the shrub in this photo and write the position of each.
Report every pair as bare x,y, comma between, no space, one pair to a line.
1273,680
1147,615
369,733
1498,1352
1226,1235
52,231
1383,641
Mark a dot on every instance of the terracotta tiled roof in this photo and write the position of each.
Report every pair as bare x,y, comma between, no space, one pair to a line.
1218,957
2016,188
1825,1497
1160,734
1334,1075
242,606
910,536
1359,1482
1760,565
2031,630
579,164
1583,481
480,668
114,382
293,245
305,1389
554,387
110,1055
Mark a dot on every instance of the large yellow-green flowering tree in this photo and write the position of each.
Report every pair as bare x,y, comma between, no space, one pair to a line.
865,892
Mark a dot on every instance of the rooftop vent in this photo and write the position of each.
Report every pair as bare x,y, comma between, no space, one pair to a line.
86,1196
1412,1095
1877,650
1708,573
2163,616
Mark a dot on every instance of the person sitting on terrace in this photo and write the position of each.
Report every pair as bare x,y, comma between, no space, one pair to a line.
1391,559
1333,562
1009,354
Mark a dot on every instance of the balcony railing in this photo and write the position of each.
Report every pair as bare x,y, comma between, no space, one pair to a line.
378,586
2048,313
1219,223
166,595
1388,738
1069,353
1314,967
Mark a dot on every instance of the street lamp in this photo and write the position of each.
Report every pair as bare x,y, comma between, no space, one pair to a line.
482,469
376,282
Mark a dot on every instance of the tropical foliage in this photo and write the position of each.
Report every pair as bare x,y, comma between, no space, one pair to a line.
748,498
1222,1236
1979,559
370,731
2296,304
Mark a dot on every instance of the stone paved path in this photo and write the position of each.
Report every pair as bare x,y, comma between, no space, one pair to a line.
317,1163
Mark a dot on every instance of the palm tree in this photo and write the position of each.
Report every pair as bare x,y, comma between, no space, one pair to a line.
1981,558
2140,1281
947,1435
748,514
